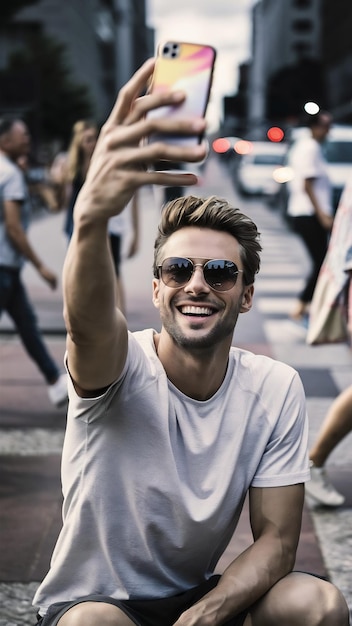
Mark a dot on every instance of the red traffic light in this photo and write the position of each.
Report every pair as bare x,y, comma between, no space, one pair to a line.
221,145
275,134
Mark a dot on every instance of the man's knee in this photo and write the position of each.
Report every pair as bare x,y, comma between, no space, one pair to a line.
95,614
302,599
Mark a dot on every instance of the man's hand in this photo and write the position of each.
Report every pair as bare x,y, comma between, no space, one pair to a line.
122,156
48,276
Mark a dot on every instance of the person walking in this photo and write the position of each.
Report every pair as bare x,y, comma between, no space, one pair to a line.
123,232
69,170
15,249
168,431
310,202
337,271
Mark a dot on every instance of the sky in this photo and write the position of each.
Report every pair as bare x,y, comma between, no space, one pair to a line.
224,24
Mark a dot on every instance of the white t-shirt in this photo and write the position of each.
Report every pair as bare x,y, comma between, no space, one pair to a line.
307,161
12,187
154,481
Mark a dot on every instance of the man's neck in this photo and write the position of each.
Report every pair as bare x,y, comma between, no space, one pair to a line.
198,373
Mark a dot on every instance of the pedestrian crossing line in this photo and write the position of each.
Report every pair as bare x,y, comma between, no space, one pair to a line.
29,442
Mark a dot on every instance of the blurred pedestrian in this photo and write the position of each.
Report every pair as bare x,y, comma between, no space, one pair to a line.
69,170
336,426
123,231
337,270
41,190
15,249
310,201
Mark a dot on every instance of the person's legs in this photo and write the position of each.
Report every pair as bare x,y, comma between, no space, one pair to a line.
21,311
300,599
98,610
314,237
94,614
337,424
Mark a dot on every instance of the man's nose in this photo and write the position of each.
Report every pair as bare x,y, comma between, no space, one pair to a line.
197,282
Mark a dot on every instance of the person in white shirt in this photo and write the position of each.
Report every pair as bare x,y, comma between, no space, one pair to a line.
310,202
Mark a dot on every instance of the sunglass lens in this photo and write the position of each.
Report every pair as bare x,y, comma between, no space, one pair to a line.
221,275
176,271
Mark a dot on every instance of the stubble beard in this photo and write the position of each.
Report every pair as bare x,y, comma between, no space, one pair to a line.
221,331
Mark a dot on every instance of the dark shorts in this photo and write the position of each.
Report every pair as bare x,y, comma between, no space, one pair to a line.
115,245
163,612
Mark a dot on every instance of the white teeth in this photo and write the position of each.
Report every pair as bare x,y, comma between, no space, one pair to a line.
196,310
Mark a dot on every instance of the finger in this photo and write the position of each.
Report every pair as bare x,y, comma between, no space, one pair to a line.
129,92
160,178
144,104
141,157
142,130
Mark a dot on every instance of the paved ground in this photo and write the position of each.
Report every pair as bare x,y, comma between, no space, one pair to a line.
31,431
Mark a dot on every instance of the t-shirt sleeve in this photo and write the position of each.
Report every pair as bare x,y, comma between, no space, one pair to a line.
285,460
14,187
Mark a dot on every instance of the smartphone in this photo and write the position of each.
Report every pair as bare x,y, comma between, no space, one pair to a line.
187,67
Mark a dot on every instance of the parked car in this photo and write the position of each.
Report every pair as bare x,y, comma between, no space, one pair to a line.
255,169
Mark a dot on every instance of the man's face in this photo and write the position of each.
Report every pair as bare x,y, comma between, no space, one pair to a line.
323,126
195,315
17,140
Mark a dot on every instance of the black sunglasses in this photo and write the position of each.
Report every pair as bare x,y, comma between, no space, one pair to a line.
219,274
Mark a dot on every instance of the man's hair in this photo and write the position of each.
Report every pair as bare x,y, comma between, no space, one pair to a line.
217,214
317,118
75,154
6,124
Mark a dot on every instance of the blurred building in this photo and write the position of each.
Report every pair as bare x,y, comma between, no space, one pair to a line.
286,53
105,41
337,56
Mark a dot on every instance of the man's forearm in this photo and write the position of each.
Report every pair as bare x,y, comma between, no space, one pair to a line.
244,581
88,282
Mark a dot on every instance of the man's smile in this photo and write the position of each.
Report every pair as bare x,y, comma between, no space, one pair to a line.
198,311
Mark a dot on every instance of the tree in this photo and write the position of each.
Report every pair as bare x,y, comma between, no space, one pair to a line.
46,91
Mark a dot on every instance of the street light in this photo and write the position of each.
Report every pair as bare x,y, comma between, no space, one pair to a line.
311,108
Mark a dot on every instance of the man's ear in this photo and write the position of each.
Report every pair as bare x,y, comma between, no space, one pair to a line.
247,299
156,285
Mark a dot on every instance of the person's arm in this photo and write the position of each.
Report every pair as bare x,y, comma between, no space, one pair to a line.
97,331
325,220
18,237
48,196
275,514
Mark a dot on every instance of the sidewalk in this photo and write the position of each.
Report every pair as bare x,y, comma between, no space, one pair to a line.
31,431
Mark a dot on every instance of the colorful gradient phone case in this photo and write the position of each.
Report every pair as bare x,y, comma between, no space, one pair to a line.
187,67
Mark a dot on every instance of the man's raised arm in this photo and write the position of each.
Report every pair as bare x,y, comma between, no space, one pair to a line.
97,331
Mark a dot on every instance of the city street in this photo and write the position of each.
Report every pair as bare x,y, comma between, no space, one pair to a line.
31,430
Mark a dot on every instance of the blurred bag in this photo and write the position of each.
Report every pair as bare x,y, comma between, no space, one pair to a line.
328,315
328,320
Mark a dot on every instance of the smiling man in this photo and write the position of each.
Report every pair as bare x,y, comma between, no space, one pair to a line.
167,432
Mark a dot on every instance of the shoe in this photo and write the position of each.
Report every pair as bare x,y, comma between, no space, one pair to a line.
321,489
58,391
